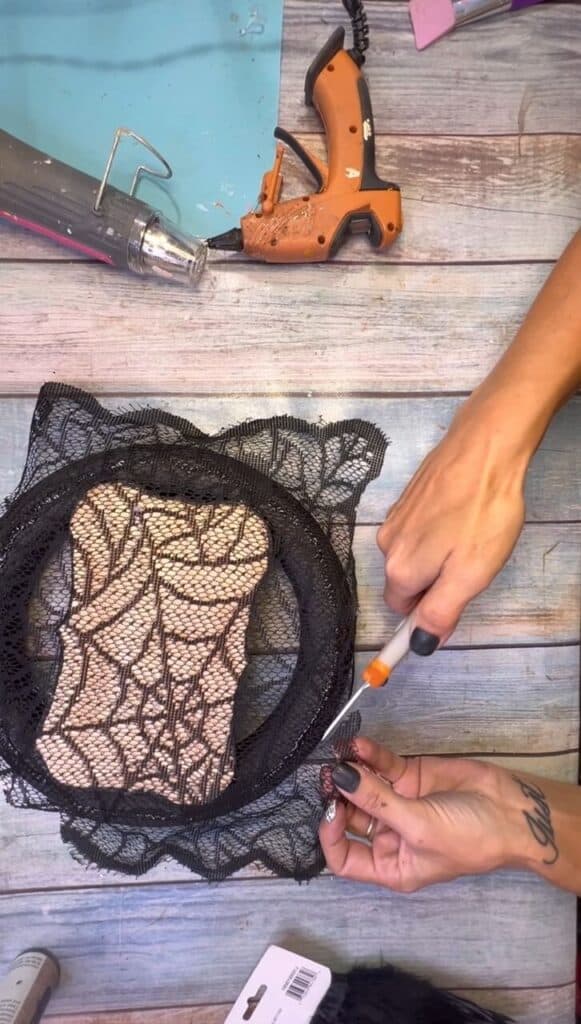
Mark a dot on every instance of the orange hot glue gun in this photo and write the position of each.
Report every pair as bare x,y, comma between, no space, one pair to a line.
351,198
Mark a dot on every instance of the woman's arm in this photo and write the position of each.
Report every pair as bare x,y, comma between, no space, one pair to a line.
552,812
432,819
459,518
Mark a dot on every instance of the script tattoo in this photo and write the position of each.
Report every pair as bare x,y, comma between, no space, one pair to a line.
539,819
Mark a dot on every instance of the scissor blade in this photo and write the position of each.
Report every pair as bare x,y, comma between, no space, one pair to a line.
336,721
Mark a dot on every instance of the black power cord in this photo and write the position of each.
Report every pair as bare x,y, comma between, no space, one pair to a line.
360,25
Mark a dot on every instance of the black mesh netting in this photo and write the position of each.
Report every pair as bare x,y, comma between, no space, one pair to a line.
177,618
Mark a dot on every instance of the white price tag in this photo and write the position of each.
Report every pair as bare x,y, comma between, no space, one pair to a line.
283,989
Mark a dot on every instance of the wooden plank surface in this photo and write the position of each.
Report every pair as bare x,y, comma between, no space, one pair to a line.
536,1006
528,1006
473,198
177,1015
553,488
251,328
562,767
456,128
534,599
501,198
482,80
509,701
504,702
34,858
109,939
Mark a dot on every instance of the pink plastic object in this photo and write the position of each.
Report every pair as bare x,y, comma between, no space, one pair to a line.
431,19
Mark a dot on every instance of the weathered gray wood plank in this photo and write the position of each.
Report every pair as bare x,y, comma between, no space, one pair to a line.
513,74
176,1015
553,484
520,701
261,329
434,332
204,940
535,1006
32,855
529,1006
512,701
497,198
535,599
562,767
473,198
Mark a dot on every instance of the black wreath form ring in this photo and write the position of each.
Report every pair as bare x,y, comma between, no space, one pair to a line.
93,476
325,605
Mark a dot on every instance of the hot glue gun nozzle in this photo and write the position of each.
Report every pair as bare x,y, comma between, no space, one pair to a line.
230,241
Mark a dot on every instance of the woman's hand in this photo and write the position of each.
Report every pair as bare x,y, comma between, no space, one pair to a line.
428,819
458,520
455,525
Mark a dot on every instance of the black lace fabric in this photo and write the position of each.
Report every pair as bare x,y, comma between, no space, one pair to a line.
177,621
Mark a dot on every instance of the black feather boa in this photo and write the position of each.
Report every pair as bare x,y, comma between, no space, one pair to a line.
386,995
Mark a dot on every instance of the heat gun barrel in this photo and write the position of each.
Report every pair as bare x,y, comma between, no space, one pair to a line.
53,199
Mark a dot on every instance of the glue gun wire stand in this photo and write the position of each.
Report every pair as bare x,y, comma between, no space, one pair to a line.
94,218
350,197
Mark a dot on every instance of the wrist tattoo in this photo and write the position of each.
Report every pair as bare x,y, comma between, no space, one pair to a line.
539,819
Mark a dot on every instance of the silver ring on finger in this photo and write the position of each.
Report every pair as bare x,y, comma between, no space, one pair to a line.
370,830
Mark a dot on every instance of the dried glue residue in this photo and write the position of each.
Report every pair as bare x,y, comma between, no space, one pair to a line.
255,24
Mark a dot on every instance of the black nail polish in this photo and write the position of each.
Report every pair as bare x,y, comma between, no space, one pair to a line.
422,642
346,777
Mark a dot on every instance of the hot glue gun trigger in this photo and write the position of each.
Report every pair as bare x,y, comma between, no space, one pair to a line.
314,166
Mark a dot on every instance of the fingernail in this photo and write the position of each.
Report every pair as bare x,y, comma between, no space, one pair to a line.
422,642
331,811
346,777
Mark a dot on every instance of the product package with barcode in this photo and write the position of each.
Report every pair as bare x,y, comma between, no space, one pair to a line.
283,989
289,989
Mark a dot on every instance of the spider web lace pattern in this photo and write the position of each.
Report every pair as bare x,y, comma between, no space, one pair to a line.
154,644
298,484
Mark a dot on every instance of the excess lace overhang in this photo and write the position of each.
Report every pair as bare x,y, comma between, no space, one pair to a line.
150,738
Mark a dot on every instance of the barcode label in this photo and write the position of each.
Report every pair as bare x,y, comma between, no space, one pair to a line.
283,988
301,984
